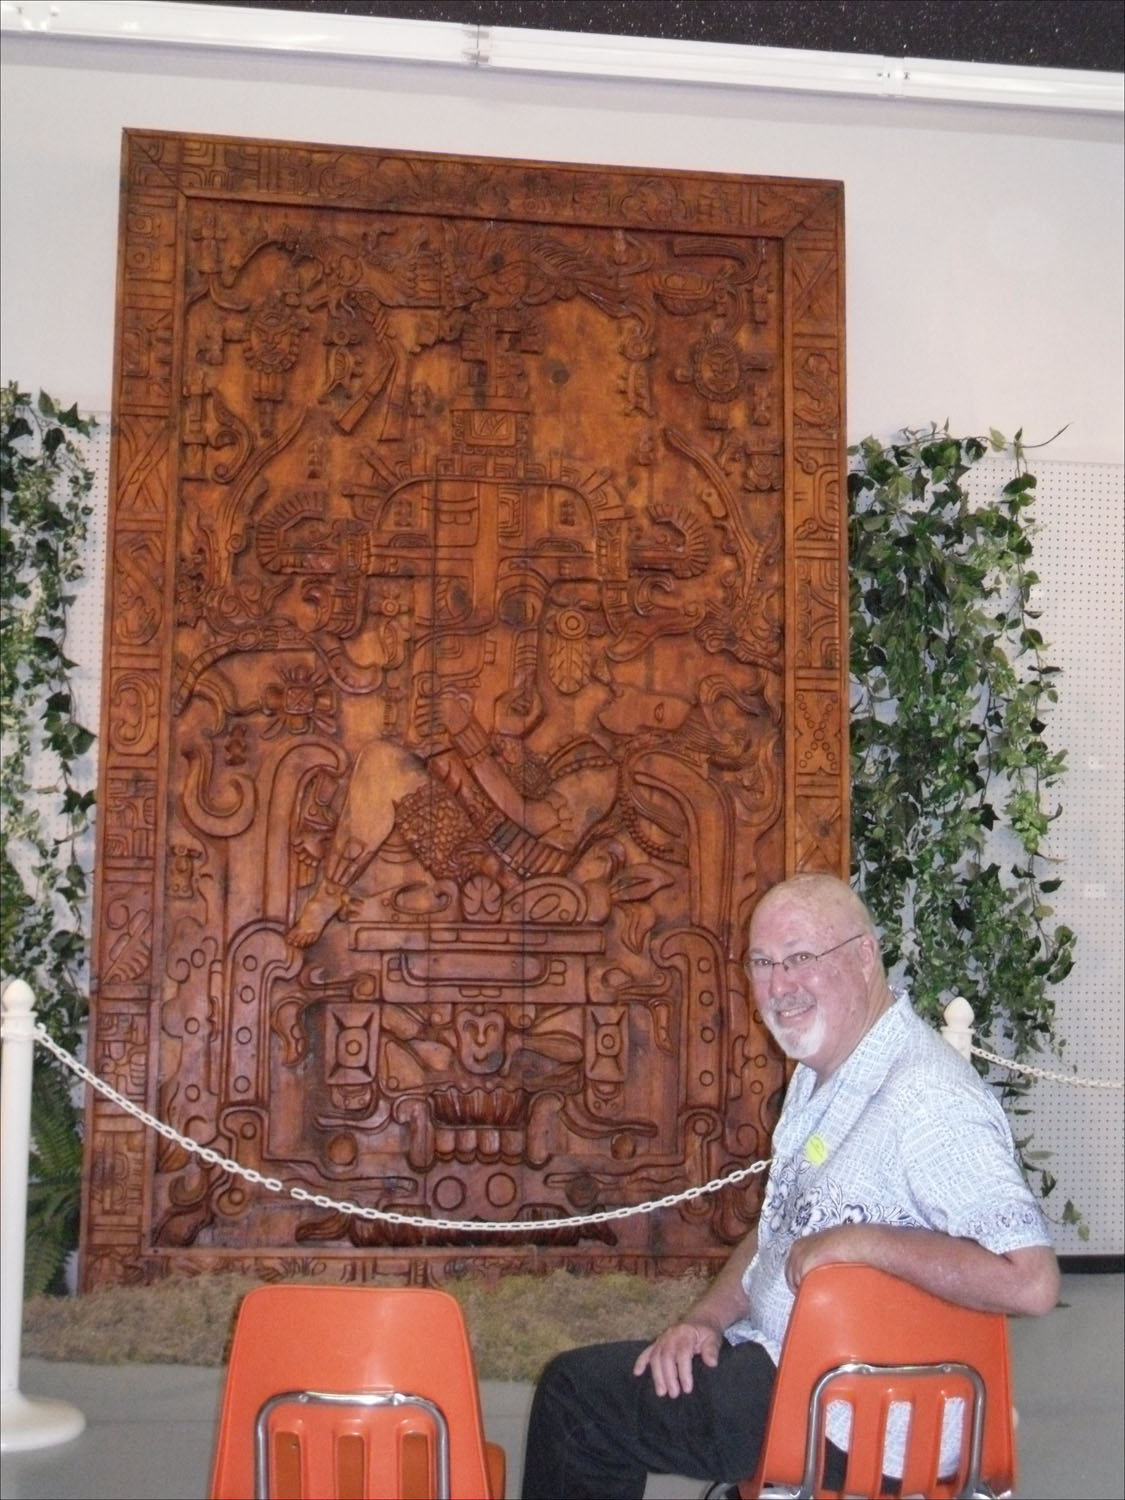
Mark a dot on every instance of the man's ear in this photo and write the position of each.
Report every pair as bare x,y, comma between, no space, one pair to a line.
869,948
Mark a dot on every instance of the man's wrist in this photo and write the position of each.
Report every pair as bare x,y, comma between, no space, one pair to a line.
709,1322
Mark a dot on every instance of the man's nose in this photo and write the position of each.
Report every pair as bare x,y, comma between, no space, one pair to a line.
781,981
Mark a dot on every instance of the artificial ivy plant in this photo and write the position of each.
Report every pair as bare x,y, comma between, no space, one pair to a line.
953,780
44,804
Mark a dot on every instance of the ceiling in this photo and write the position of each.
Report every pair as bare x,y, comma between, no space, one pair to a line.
1088,34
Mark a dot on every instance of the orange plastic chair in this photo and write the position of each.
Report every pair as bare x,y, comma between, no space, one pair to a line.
352,1393
861,1336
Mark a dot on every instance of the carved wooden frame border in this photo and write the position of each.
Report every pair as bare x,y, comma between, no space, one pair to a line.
160,173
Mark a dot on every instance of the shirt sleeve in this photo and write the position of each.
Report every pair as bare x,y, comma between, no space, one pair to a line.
962,1172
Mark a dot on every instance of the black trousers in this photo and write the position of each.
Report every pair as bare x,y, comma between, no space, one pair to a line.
597,1430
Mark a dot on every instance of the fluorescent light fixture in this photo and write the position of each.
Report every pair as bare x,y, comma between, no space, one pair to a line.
242,28
589,55
577,54
995,83
794,69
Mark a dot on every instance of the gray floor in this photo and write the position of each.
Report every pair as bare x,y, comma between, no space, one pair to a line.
149,1428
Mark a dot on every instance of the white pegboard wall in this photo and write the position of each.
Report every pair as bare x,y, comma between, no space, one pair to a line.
1079,555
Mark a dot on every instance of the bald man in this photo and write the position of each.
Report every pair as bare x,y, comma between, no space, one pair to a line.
890,1151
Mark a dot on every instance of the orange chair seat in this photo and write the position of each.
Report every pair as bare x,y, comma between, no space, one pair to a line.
873,1341
352,1393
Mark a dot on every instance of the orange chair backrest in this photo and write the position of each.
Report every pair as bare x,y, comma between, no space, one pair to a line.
352,1340
850,1313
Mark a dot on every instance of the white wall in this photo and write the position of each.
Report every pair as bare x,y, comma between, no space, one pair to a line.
984,247
984,244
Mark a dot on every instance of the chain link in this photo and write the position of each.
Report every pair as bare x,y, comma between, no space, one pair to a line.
386,1216
1085,1083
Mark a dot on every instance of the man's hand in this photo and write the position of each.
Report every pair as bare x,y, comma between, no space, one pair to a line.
669,1358
699,1333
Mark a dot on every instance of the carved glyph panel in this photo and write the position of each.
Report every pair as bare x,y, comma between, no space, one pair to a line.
475,662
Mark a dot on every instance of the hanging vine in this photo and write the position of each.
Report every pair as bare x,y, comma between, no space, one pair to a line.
44,805
953,780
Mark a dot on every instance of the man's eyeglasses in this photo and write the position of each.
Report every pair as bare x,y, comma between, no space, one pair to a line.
762,968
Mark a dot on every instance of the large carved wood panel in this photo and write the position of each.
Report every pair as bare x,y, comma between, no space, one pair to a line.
474,662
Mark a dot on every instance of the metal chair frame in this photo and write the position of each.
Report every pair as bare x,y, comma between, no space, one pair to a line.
974,1487
349,1398
356,1390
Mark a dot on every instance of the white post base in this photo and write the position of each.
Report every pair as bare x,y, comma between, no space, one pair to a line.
25,1421
31,1422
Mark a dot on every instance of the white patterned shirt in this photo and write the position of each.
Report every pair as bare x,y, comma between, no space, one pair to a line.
903,1133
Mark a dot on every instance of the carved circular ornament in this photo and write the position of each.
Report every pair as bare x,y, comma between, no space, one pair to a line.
571,624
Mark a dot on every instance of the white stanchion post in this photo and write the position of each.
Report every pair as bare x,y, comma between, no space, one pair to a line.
25,1421
958,1028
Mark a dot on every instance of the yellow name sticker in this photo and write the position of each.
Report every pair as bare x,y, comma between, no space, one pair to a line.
816,1150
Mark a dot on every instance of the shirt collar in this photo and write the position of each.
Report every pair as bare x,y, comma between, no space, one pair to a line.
870,1059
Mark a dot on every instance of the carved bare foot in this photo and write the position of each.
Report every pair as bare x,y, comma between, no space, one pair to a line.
325,903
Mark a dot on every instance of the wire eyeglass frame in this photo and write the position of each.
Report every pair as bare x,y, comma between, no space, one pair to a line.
762,968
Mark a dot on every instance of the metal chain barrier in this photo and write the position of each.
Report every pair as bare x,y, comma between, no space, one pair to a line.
387,1216
470,1226
1085,1083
